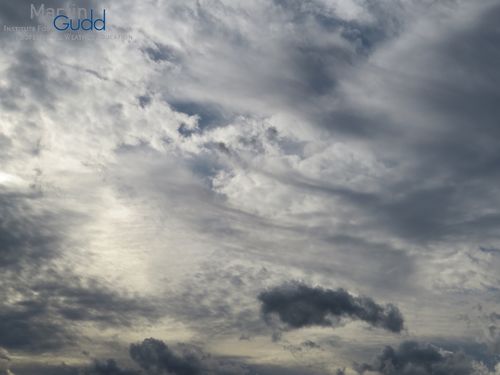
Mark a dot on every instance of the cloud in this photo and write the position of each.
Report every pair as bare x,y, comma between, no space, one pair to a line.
41,302
159,53
312,138
155,356
25,236
108,367
414,358
4,362
298,305
46,369
4,355
47,312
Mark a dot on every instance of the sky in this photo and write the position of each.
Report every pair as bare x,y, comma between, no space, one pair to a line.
265,187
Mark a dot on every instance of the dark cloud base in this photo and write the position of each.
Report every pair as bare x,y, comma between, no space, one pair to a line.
154,357
299,305
412,358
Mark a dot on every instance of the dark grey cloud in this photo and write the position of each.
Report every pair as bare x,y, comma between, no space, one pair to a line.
41,303
155,357
312,48
284,370
25,237
301,350
311,344
299,305
159,52
28,78
144,100
489,250
364,37
444,134
318,65
412,358
449,142
48,309
210,115
26,326
27,242
80,299
109,367
45,369
98,367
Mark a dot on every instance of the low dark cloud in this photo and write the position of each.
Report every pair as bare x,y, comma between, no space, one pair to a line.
98,367
109,367
298,305
155,357
45,369
412,358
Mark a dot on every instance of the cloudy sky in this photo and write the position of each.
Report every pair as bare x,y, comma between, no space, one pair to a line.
265,187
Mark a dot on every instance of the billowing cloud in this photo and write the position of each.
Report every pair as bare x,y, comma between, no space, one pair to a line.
416,358
155,356
298,305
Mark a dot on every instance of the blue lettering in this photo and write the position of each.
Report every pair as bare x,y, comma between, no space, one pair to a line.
72,27
89,20
64,24
103,20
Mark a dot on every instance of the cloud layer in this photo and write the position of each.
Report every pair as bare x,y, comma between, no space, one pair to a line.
169,179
